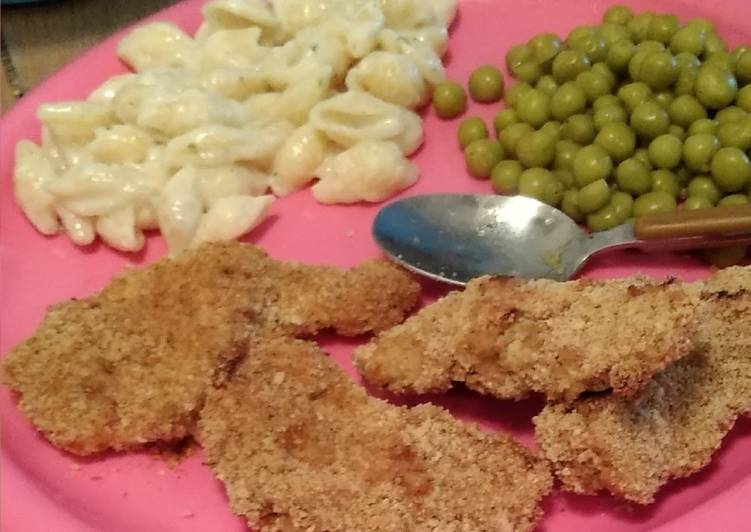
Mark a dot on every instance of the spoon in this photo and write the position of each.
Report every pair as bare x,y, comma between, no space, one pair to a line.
457,237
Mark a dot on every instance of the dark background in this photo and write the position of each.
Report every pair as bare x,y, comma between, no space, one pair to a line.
40,37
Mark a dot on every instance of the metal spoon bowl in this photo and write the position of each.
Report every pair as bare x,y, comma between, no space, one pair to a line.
457,237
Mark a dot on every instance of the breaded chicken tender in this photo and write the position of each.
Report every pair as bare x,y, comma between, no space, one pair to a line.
632,447
131,364
300,446
509,338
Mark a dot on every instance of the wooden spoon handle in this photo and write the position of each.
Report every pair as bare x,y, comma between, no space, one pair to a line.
715,222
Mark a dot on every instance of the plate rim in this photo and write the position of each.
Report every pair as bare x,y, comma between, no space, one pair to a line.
707,514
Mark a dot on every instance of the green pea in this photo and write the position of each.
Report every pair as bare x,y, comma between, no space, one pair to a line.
486,84
504,118
547,84
505,177
470,130
665,151
579,33
731,113
515,92
743,67
593,196
633,176
594,84
665,181
609,115
688,71
655,202
725,257
664,99
623,204
701,24
554,192
481,156
538,183
642,155
735,134
693,203
618,140
677,131
687,61
565,177
602,70
686,82
565,151
606,100
662,28
703,125
659,70
580,128
517,54
713,43
727,133
612,33
743,99
570,205
639,24
685,110
449,99
530,72
545,47
740,50
620,54
733,199
510,136
731,169
689,40
591,163
552,128
568,100
634,66
722,59
715,87
617,14
634,94
536,149
649,120
534,108
568,64
650,45
698,151
703,187
592,45
602,220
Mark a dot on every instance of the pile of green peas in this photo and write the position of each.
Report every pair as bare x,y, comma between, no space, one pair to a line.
617,121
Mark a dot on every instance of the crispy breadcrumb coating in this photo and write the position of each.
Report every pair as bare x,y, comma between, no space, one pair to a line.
632,447
508,338
299,446
131,364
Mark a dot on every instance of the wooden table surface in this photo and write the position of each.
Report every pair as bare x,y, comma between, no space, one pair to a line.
38,39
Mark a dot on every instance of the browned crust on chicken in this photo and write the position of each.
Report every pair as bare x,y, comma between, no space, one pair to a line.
509,338
299,446
632,447
131,364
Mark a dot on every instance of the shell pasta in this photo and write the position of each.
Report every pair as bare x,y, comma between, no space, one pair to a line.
268,97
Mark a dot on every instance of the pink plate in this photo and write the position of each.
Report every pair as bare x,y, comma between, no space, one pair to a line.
45,489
